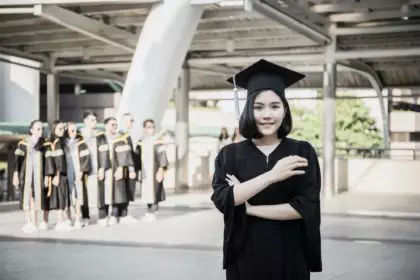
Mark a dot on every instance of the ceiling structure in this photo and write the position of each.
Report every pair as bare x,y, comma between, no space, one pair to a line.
377,41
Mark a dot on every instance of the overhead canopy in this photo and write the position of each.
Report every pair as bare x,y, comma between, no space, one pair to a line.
94,40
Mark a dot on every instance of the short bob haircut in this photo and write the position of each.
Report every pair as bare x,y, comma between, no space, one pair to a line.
248,125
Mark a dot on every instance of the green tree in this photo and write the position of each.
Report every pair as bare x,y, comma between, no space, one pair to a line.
354,126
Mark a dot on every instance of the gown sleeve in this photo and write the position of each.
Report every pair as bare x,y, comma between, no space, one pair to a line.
84,158
138,155
161,156
59,158
307,204
103,153
19,157
234,216
49,159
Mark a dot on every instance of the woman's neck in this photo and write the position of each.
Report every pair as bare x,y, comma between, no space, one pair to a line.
267,140
34,138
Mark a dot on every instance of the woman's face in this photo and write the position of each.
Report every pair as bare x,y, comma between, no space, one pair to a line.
224,131
269,112
36,129
72,131
59,130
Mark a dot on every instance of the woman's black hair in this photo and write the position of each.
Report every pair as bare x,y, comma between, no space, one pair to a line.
221,136
89,113
235,134
52,132
66,131
248,125
145,122
31,125
38,145
107,120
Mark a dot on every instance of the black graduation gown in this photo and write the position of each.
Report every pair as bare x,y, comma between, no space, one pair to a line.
256,248
137,166
83,165
110,159
23,160
103,162
152,190
59,197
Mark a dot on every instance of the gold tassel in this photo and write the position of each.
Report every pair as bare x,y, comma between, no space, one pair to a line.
236,100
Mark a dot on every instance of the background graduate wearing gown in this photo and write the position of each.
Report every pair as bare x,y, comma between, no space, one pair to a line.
154,164
268,186
78,168
115,164
32,170
59,196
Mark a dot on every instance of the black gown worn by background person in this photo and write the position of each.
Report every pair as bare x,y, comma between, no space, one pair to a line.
59,197
262,249
119,156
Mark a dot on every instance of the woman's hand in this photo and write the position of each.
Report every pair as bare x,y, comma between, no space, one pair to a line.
160,175
132,175
15,179
248,208
286,168
118,175
56,180
101,174
79,176
232,180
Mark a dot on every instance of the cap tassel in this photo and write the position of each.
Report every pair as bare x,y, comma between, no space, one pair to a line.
236,100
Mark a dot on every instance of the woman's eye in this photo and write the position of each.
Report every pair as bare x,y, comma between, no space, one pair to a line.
258,107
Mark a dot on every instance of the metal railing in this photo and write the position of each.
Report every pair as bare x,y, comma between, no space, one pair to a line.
375,153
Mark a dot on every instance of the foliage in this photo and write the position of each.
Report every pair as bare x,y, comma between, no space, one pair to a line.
354,125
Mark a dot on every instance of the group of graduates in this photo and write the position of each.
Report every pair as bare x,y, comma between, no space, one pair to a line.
75,171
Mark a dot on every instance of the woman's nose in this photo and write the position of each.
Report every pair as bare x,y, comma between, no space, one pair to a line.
266,113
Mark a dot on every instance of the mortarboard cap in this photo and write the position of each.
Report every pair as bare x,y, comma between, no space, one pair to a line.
265,75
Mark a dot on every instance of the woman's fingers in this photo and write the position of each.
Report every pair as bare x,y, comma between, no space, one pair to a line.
298,172
233,179
230,183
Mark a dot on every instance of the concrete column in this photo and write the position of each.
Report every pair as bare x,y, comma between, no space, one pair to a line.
19,93
52,98
53,95
163,44
10,164
389,111
330,82
182,130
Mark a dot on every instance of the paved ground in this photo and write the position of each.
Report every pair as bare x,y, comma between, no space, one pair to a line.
391,254
185,243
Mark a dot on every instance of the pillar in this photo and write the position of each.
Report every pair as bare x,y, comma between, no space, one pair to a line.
182,130
10,170
19,93
53,95
161,50
330,82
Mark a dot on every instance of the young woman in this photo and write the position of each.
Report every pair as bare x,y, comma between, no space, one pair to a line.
223,138
59,199
31,170
268,186
78,167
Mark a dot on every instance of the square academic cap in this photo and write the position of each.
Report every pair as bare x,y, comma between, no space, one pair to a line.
263,75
